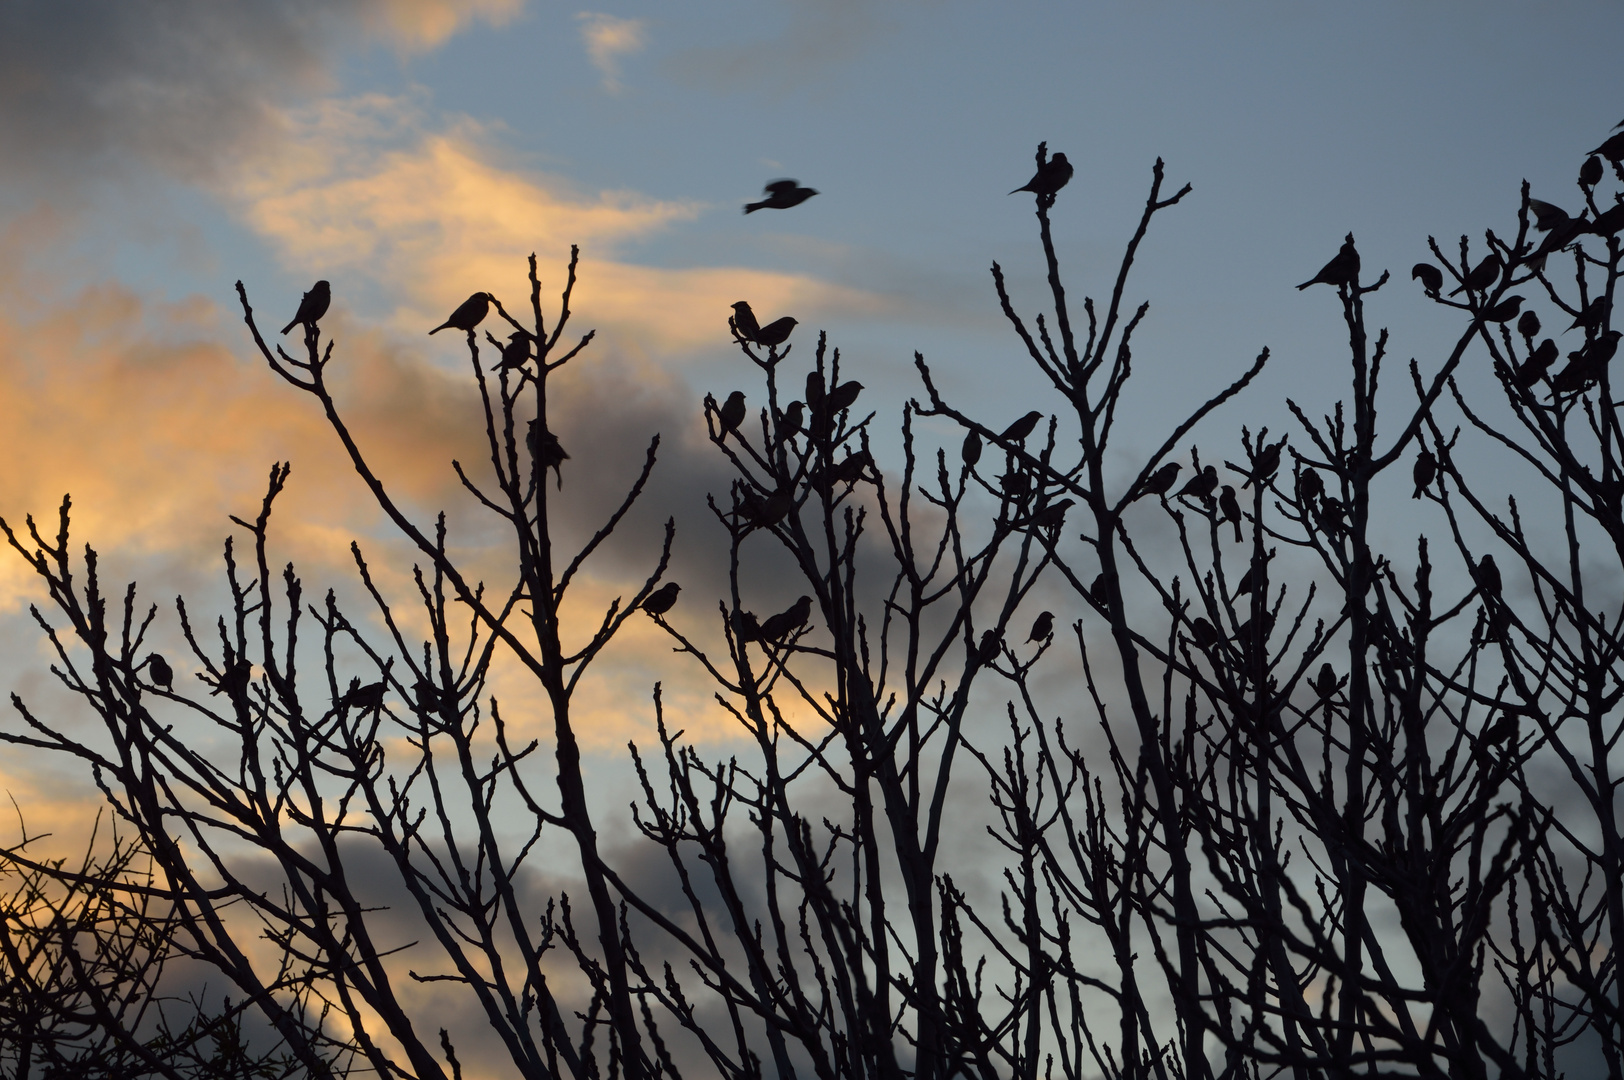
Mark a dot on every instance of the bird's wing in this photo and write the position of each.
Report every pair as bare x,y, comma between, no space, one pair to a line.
778,187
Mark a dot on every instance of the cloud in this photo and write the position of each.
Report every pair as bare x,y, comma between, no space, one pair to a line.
608,38
180,85
820,35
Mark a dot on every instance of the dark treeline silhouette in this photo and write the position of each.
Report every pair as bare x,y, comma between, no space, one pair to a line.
1309,807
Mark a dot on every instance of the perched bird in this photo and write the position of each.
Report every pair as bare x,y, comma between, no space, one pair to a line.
781,195
312,306
1015,484
1051,176
1504,311
987,651
794,419
428,695
1609,222
1590,172
786,622
1310,485
1161,481
731,414
159,671
1591,315
1100,590
1265,465
469,314
1501,730
1483,275
365,697
1432,278
814,391
842,397
745,626
1203,633
776,332
744,321
1537,364
1256,574
1547,216
765,513
1201,485
1051,516
1425,471
1231,509
1342,270
545,449
1020,429
234,680
1487,576
848,470
1586,365
516,352
970,452
1042,627
1325,685
1528,325
1612,149
663,599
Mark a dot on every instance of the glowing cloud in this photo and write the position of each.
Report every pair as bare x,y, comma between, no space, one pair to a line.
608,38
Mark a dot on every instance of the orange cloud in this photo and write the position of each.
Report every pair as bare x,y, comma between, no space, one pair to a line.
420,25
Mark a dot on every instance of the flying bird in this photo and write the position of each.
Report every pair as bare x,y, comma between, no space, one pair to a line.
1161,481
1590,172
1020,429
159,671
469,314
1231,509
781,195
1201,485
1051,176
1547,216
1425,471
1342,270
1483,275
776,332
663,599
786,622
731,414
312,306
1432,278
744,321
1042,627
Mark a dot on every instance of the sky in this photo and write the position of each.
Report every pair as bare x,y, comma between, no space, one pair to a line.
414,151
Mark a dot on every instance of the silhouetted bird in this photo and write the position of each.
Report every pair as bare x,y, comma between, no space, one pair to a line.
1254,576
1051,516
786,622
1609,222
1051,176
842,396
469,314
663,599
1266,464
1501,730
312,307
987,651
794,419
1042,627
1487,576
744,321
1231,509
781,195
1504,311
1015,484
1100,591
159,671
234,680
1528,325
365,697
814,391
1612,149
517,351
1425,471
1483,275
1310,485
1325,685
1020,429
776,332
1161,481
1537,364
1590,172
846,471
1591,315
1203,633
765,513
1342,270
545,449
1432,278
731,414
745,626
1547,216
970,452
1587,365
427,694
1201,485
